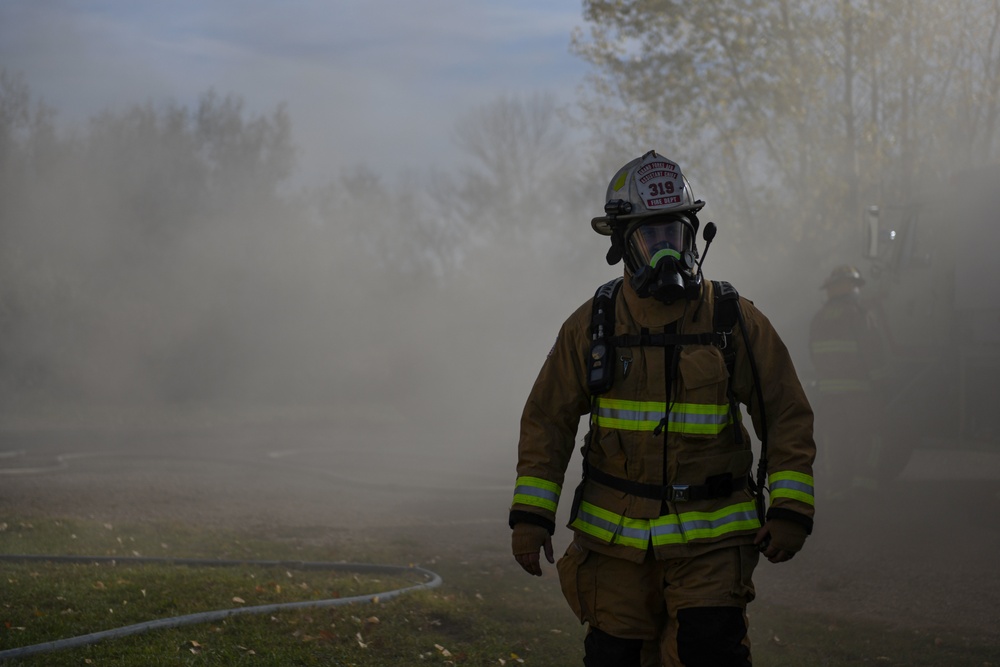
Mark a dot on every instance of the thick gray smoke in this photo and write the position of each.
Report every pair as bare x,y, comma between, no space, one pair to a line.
360,351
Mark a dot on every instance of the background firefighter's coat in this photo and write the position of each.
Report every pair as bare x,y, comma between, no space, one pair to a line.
699,440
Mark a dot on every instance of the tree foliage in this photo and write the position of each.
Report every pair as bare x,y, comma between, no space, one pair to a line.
799,114
155,254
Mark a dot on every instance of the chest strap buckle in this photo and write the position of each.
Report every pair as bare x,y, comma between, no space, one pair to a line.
677,493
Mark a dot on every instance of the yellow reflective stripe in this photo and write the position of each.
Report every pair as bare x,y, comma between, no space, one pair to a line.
701,418
537,492
696,418
610,527
686,526
667,529
793,485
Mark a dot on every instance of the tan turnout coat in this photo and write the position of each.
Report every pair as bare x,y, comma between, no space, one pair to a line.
698,442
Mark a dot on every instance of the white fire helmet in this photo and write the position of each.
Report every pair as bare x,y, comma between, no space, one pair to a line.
647,186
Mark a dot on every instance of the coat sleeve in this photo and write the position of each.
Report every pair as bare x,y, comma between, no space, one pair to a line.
791,449
549,424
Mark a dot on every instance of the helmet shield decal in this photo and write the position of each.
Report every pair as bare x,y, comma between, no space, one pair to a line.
647,186
659,183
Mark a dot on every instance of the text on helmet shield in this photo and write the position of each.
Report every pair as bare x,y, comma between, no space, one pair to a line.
659,184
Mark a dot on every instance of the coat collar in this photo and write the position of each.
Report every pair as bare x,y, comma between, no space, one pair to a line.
651,313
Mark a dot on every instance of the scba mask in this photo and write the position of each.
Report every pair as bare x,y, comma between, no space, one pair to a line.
659,253
651,216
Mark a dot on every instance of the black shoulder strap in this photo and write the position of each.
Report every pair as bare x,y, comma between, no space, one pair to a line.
727,303
725,315
601,369
602,317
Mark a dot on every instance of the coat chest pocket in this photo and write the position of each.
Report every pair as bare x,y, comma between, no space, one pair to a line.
702,403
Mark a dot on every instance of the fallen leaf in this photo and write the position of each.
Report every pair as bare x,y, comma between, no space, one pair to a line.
239,600
361,643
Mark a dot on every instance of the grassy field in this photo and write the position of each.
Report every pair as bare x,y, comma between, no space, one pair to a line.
486,612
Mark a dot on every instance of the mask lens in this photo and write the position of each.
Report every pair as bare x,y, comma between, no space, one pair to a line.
653,241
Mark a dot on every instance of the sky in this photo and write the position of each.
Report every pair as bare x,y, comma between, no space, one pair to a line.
361,79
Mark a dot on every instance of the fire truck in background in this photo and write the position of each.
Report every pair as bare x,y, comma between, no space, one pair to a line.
934,283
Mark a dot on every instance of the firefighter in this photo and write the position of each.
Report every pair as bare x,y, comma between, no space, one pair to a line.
848,354
667,527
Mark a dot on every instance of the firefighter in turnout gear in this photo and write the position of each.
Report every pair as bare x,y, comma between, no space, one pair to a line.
668,520
848,353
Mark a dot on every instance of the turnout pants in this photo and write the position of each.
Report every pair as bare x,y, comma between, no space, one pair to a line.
688,612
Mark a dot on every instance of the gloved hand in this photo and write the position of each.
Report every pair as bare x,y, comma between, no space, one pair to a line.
781,539
526,540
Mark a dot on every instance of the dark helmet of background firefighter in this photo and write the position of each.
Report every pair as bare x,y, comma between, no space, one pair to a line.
651,216
843,279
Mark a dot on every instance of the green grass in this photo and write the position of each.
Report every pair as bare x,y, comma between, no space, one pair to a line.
487,612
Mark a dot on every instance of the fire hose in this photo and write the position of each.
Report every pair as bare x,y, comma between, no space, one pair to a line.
432,580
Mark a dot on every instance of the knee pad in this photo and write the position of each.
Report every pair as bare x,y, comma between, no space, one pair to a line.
712,637
604,650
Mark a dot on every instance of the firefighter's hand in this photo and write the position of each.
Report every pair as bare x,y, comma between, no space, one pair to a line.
779,540
526,540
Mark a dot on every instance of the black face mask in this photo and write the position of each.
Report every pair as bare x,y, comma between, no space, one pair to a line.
670,280
661,258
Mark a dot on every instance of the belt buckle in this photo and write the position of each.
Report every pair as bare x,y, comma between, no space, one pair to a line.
680,492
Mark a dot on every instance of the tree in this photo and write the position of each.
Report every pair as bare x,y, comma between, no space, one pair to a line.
801,113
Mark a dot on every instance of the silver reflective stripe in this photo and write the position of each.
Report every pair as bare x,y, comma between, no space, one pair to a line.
646,416
686,526
537,492
651,416
525,490
792,485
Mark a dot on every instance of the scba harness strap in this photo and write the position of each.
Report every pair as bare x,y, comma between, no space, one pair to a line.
600,375
600,378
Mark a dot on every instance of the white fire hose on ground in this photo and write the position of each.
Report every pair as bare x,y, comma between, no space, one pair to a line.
432,581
